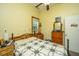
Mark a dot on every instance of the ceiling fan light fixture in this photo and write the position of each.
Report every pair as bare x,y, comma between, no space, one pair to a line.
47,7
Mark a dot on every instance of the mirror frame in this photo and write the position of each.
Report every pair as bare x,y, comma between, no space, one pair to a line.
57,20
32,24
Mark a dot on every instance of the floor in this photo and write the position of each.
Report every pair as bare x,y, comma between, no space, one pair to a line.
74,53
71,53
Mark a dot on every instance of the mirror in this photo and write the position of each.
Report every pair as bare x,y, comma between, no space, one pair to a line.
57,24
35,25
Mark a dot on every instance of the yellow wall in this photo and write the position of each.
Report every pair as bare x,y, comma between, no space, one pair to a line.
48,17
16,18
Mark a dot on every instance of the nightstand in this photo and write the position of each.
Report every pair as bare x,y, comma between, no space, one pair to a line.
7,50
39,35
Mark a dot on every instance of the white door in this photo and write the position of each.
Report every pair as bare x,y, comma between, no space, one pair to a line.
72,32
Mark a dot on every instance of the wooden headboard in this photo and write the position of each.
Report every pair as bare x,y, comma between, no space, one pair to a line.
20,37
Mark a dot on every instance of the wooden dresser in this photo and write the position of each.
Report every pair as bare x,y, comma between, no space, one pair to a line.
57,37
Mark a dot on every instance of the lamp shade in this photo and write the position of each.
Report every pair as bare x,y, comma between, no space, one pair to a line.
6,36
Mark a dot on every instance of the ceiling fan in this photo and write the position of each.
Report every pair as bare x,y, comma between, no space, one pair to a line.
47,6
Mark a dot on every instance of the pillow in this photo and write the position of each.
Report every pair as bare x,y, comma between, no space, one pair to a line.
23,41
20,42
31,38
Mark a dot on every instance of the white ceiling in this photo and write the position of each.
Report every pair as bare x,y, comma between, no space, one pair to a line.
35,4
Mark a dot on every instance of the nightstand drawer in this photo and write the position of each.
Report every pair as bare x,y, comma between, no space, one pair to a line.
58,41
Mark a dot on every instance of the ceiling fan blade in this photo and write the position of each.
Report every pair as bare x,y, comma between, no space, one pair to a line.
47,7
39,5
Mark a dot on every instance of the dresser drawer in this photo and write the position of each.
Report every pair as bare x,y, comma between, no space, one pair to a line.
58,41
57,37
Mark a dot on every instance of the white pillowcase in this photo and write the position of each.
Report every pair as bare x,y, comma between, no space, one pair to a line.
23,41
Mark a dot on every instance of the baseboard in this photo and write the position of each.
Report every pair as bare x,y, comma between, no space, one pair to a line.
74,53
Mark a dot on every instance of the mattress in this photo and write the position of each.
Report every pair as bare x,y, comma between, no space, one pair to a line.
37,47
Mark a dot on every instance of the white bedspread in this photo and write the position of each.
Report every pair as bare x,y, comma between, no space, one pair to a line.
37,47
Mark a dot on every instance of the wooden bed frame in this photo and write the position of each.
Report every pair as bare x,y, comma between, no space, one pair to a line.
23,36
26,35
68,47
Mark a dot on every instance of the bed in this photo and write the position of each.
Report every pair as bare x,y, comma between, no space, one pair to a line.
36,47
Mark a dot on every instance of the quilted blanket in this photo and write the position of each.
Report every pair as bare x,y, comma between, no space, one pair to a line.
37,47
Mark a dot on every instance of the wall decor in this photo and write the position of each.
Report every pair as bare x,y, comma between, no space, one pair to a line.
74,25
57,26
